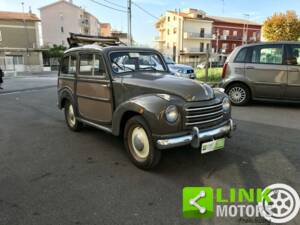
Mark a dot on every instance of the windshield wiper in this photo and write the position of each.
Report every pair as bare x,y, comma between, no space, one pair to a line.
122,68
149,68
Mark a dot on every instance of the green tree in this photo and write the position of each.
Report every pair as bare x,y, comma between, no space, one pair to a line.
282,27
56,51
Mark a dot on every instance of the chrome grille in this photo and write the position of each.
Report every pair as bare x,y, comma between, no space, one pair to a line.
204,116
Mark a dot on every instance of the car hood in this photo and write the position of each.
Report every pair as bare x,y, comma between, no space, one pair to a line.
145,83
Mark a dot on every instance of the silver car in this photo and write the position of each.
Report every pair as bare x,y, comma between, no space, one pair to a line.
180,70
267,71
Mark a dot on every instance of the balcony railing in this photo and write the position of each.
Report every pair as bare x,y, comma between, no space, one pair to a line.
197,35
194,50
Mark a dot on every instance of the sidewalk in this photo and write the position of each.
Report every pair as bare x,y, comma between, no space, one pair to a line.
26,82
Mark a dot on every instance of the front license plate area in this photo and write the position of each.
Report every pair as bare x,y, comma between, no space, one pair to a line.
212,145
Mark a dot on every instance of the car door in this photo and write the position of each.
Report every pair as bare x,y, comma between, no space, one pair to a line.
93,89
293,61
266,72
66,78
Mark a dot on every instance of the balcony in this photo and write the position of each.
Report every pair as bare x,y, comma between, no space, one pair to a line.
195,35
193,51
159,39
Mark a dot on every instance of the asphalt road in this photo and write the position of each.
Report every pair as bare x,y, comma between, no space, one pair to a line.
50,175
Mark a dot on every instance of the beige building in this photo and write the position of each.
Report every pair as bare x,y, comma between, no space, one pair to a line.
105,29
20,42
185,35
62,17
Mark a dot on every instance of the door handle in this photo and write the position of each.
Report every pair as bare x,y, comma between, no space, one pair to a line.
250,67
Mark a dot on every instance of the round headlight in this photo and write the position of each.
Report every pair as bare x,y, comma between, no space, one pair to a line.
226,104
172,114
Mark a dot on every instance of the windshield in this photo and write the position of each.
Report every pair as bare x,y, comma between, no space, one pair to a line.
123,62
169,60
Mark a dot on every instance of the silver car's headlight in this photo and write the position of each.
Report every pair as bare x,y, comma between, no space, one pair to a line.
171,114
226,104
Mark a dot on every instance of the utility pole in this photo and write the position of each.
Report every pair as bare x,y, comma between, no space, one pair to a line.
129,36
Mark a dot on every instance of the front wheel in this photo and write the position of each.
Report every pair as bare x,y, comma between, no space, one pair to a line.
139,144
239,94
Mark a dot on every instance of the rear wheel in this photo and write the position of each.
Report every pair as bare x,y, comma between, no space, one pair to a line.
70,117
239,94
139,144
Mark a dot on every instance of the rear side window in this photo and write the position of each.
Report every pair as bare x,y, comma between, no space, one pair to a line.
241,56
68,65
271,54
92,65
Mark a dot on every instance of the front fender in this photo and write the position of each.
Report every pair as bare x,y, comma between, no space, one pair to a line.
152,108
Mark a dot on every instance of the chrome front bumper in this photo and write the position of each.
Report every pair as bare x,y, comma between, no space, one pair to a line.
197,137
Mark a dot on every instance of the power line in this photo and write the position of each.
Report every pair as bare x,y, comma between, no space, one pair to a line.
115,4
99,3
145,11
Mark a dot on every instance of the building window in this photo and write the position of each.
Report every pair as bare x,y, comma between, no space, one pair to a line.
174,18
234,33
202,32
201,47
168,19
0,36
168,32
61,29
225,32
174,30
207,46
17,59
224,46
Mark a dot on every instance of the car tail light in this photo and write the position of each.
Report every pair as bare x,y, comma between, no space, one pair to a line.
224,70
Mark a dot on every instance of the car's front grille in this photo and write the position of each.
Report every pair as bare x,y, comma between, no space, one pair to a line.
204,116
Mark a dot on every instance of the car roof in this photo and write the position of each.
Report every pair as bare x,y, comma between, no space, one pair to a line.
107,49
270,43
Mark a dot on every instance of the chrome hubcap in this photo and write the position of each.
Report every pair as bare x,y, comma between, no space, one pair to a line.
237,94
71,116
140,142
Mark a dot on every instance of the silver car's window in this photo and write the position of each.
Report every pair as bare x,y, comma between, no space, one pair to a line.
293,55
241,56
123,62
267,54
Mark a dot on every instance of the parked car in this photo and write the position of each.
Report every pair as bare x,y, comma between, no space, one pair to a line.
180,70
116,89
267,71
210,65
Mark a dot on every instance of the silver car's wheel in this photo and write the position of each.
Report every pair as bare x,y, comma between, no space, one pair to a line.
239,94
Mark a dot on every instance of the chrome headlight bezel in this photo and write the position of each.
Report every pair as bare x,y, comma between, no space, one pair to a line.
171,114
226,104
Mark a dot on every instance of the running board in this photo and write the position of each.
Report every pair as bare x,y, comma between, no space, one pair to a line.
106,129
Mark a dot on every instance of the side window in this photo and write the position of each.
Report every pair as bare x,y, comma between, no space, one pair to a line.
293,55
72,64
99,67
241,56
267,54
86,64
64,68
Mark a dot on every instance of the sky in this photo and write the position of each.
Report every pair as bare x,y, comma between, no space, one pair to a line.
143,28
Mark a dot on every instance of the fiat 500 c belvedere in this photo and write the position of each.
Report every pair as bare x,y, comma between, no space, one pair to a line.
130,92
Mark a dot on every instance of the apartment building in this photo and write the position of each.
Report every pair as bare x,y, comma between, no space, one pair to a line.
20,42
228,33
184,35
62,17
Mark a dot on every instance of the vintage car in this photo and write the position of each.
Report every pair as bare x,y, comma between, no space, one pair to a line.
119,90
